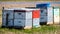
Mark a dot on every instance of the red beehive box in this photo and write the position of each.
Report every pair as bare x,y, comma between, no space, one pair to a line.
36,14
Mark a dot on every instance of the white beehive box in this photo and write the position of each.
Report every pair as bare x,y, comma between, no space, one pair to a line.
56,15
36,22
50,15
28,20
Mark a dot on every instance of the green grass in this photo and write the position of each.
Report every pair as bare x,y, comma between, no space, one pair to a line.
41,29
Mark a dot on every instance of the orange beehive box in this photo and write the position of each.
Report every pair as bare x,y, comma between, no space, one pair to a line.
36,14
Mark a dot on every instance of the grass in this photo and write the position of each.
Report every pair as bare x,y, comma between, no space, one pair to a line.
45,29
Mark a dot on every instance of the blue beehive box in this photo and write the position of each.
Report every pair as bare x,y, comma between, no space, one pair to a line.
43,14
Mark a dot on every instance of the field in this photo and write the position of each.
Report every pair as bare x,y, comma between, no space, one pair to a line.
45,29
55,29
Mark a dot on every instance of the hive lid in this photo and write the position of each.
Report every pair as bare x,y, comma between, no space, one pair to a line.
43,5
27,9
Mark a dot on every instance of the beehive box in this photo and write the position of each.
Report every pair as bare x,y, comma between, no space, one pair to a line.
36,17
50,15
7,17
28,24
43,13
56,15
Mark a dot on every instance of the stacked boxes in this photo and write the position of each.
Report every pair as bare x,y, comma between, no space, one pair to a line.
19,18
29,18
32,18
26,18
36,17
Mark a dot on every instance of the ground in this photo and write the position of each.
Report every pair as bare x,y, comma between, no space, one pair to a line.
51,29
